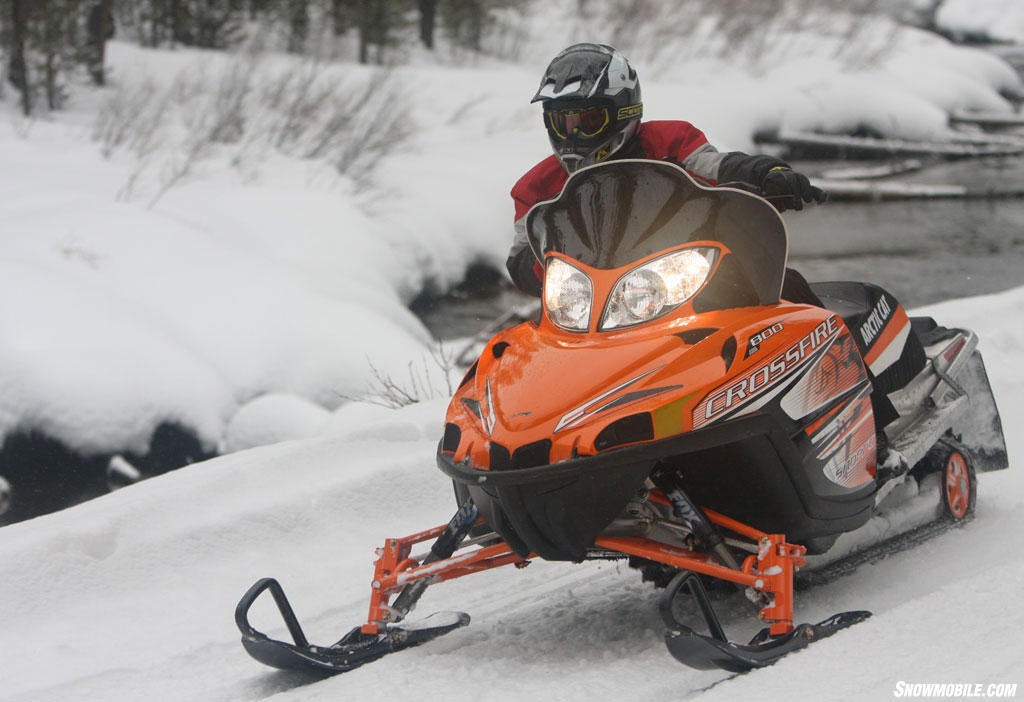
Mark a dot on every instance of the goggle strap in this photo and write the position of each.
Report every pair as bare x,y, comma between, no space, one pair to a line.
630,112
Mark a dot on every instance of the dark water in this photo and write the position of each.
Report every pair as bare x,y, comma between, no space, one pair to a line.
923,251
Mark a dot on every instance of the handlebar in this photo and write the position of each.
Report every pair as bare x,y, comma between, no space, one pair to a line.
779,202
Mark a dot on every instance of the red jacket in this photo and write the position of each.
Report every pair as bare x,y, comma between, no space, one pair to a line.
675,140
679,141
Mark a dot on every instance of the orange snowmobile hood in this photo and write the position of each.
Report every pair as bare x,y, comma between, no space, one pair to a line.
533,385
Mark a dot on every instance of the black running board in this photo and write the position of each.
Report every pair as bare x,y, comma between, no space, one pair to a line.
353,650
708,653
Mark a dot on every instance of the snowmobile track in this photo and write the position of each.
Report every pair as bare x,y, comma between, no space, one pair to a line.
806,579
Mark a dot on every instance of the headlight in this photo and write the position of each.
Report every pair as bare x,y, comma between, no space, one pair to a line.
568,295
655,288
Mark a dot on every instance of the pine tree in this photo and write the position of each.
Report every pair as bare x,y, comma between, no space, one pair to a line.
17,71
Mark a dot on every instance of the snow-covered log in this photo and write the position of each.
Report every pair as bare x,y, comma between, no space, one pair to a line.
809,144
988,120
875,190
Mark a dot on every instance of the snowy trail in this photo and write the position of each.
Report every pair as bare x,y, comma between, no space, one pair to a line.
131,596
277,281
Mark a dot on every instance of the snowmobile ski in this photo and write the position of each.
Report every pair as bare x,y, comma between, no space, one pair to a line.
709,652
714,650
352,651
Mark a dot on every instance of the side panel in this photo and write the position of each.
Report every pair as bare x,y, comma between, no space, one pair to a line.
881,328
771,372
810,379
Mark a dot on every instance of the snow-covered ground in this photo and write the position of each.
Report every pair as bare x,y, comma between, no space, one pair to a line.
127,302
130,596
257,297
1001,20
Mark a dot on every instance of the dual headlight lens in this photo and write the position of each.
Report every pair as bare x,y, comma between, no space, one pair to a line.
568,295
643,294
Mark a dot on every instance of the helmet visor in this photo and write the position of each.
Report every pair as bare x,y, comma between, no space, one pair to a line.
585,122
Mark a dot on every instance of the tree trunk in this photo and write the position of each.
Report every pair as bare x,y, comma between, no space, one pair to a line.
53,99
50,24
298,25
428,21
364,30
340,18
18,68
180,33
100,28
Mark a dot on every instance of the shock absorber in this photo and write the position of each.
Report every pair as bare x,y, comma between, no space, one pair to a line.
444,547
683,508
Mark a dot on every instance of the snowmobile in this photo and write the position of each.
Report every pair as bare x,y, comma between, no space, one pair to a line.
672,408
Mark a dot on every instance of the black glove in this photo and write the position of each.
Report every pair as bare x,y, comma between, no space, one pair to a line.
526,272
787,189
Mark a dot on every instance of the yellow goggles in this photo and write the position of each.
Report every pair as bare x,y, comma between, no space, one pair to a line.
586,122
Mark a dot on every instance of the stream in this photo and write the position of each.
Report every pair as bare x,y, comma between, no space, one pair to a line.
922,250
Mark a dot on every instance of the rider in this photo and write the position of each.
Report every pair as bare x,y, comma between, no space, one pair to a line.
591,99
592,109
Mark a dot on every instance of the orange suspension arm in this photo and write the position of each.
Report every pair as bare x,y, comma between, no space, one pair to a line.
394,569
771,571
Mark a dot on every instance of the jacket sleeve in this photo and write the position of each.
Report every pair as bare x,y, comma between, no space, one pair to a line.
683,143
543,181
716,167
738,166
704,162
523,267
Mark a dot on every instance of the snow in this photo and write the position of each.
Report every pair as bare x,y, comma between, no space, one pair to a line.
1001,20
272,418
131,595
257,303
258,272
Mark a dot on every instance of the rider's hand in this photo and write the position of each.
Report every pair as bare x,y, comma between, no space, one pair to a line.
787,189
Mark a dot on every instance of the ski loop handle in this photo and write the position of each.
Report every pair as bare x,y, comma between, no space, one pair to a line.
280,599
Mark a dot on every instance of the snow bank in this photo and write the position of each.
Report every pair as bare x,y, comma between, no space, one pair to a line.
130,596
271,419
790,66
250,304
115,317
1002,20
122,307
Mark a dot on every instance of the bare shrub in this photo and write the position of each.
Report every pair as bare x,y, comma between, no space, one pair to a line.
420,384
228,103
378,125
294,100
125,118
663,34
133,118
301,108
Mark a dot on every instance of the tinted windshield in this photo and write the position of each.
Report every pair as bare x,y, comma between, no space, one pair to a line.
618,212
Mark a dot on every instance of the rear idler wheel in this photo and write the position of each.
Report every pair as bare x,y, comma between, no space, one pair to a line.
958,485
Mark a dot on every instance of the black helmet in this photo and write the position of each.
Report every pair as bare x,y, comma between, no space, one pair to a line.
592,107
